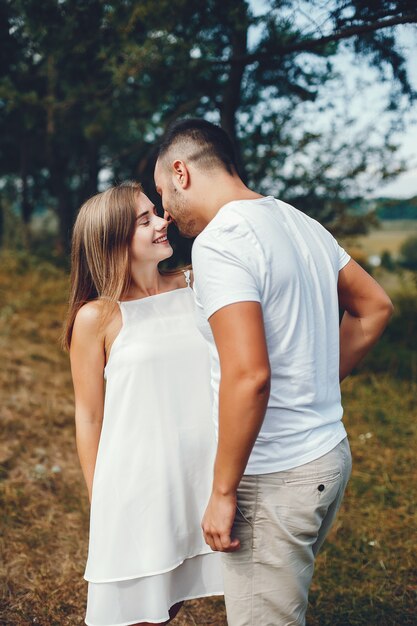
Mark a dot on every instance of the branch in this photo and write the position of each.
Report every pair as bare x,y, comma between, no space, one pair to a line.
310,44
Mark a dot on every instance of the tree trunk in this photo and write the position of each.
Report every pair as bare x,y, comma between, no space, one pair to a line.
62,192
232,92
26,204
92,170
66,216
1,223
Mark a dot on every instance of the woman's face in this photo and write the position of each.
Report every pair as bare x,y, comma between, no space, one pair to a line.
149,241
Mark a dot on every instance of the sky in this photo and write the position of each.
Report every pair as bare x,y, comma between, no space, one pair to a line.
406,184
367,103
369,107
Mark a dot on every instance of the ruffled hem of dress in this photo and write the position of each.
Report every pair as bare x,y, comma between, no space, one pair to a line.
149,599
146,575
164,619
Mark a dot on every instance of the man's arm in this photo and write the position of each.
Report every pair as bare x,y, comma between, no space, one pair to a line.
238,331
367,312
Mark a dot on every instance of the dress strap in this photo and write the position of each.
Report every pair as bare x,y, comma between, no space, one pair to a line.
187,276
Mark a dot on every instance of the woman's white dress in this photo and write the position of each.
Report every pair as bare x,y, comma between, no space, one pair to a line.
154,468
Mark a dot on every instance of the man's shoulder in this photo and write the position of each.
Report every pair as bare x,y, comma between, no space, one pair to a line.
234,217
222,224
232,231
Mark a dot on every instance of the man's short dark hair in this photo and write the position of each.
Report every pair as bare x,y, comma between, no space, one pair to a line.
205,144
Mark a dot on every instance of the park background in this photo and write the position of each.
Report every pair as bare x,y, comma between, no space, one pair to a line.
319,100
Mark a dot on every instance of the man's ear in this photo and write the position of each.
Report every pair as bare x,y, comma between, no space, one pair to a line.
181,173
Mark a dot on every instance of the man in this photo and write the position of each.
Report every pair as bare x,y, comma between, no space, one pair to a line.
267,283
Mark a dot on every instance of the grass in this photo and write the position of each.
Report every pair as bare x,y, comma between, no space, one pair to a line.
365,575
389,237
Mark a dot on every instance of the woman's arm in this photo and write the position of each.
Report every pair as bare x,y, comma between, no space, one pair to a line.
87,364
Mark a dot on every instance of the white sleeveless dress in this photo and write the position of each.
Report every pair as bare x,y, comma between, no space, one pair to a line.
154,468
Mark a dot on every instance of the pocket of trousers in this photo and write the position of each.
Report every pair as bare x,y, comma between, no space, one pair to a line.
243,516
302,503
311,479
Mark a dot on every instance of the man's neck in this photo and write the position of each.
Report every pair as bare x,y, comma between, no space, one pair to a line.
223,190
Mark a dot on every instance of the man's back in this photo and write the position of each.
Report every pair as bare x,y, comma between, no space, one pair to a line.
267,282
267,251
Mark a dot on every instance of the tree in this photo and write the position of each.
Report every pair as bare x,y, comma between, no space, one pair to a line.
408,253
59,105
92,84
235,82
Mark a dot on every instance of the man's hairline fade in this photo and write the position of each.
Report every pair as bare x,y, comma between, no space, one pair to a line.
188,137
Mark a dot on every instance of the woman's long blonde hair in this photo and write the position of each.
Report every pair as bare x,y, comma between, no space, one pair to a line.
100,253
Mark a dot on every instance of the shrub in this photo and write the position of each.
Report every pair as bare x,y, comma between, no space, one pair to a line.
387,261
396,351
409,253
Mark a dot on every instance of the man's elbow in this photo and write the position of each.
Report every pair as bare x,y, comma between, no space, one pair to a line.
386,309
265,383
261,383
256,381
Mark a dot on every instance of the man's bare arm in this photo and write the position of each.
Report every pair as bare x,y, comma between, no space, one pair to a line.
367,312
239,334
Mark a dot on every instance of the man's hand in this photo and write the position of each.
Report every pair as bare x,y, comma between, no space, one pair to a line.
218,521
239,333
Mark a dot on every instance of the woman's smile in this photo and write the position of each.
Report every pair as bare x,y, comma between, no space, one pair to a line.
161,239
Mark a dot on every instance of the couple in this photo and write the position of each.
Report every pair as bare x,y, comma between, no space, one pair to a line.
261,322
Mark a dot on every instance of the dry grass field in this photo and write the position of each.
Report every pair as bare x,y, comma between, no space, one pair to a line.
389,237
366,574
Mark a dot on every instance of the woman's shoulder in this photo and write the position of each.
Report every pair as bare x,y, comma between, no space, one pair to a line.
90,312
91,315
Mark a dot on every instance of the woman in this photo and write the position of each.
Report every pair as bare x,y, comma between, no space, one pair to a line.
145,440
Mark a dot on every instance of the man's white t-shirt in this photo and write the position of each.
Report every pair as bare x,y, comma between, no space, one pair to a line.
267,251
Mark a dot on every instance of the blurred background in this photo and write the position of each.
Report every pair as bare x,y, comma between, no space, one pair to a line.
319,99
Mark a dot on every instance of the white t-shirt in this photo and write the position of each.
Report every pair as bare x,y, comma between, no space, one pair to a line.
267,251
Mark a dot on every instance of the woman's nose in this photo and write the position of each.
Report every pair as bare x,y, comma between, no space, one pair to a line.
163,221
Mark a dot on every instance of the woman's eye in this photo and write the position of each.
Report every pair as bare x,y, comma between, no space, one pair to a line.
145,223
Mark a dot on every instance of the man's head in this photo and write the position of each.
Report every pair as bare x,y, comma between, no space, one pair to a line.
191,154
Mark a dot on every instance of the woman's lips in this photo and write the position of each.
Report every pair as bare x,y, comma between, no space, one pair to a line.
162,239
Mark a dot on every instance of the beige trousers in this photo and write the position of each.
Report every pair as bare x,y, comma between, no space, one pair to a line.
282,521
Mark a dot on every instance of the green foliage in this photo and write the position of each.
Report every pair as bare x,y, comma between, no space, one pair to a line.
409,253
387,261
13,230
88,86
396,352
396,209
